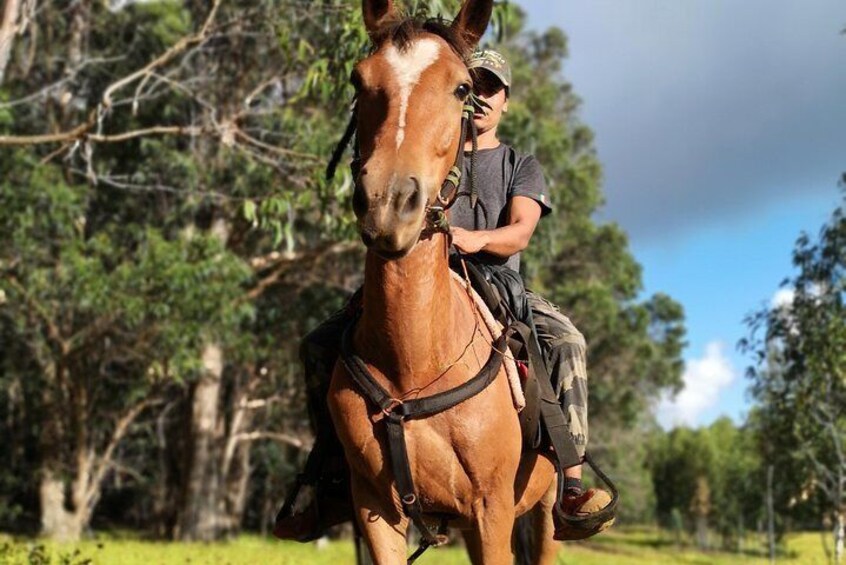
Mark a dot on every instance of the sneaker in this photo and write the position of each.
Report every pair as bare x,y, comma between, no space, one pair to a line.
576,516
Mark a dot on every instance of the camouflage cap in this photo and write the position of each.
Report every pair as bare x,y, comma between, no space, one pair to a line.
493,62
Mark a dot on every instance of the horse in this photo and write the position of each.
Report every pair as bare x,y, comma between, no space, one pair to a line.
418,334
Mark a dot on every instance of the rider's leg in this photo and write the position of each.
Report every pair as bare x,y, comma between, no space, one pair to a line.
566,356
319,351
326,474
565,351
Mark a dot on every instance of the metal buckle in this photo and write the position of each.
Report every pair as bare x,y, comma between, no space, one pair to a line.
389,410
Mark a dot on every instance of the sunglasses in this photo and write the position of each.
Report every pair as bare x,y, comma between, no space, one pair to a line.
486,84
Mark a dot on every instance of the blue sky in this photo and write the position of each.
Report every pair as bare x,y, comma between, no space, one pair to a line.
721,126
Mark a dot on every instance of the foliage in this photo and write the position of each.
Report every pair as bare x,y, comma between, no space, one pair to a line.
720,460
799,381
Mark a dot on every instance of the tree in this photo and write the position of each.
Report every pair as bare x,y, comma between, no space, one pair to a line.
102,329
712,477
799,380
194,126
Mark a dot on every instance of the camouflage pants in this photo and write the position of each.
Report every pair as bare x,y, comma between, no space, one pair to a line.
566,358
562,345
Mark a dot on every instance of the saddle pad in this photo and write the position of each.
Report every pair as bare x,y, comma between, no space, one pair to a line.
496,329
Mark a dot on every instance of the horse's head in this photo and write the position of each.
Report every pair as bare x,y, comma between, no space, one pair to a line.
411,91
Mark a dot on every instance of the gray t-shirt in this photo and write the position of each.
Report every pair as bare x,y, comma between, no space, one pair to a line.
501,173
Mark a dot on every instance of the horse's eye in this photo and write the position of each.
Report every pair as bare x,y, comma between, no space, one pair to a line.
463,91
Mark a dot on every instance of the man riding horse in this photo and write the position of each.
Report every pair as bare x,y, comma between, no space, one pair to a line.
492,216
512,198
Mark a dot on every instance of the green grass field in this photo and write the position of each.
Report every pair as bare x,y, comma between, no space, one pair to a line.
623,547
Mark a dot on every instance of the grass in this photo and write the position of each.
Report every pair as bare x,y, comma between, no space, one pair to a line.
634,546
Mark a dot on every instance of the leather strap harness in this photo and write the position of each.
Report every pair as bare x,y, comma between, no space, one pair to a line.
397,412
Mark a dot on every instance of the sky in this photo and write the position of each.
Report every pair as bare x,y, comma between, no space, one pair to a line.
721,126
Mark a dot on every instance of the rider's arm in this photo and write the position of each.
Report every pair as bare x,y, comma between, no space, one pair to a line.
523,216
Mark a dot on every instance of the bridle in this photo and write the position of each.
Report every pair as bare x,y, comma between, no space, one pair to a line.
436,219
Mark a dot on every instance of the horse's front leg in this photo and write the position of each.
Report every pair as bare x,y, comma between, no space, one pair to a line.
489,542
383,525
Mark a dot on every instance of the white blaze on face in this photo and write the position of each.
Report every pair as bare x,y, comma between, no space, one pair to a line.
408,66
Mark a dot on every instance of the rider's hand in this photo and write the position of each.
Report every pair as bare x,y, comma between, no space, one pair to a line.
468,241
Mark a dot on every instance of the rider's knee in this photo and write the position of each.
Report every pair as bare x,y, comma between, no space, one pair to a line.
572,340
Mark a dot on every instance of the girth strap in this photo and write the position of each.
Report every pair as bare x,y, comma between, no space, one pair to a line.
397,412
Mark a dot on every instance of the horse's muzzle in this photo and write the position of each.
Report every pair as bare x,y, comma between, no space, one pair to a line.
390,222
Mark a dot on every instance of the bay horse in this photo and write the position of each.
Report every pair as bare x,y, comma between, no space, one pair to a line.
418,334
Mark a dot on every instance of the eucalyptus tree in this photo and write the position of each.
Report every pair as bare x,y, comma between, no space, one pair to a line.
100,331
799,381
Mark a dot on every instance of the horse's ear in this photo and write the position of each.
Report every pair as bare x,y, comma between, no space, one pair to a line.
376,12
473,19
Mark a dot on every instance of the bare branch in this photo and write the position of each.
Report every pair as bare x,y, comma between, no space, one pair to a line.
80,132
70,76
105,461
119,182
76,133
272,148
279,437
164,58
157,130
287,261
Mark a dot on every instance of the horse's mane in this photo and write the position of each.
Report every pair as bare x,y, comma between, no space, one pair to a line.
403,30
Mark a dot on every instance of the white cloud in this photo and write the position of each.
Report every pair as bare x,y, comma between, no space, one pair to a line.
704,380
783,298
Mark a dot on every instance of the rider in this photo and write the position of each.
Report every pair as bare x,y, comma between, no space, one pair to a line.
512,197
515,197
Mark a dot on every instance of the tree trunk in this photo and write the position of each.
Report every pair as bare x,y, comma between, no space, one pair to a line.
839,526
200,517
770,514
57,522
237,481
8,29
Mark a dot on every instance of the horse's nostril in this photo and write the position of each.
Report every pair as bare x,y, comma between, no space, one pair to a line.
367,239
410,199
412,205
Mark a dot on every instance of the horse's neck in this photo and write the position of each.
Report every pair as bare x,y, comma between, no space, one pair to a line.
408,325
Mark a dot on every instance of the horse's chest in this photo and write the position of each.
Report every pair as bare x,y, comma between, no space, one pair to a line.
454,456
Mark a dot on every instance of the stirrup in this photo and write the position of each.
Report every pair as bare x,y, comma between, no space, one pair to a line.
329,506
582,525
302,527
